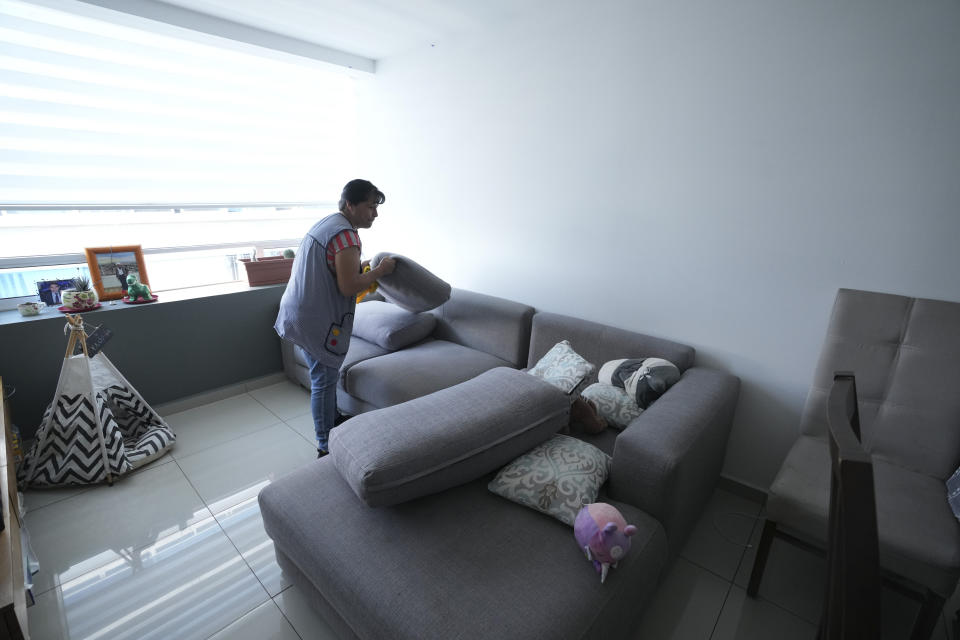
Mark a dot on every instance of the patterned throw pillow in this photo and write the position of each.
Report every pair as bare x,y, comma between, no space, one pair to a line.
613,404
953,493
644,379
556,477
562,367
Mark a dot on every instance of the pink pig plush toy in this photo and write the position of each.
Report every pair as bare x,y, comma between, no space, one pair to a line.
603,535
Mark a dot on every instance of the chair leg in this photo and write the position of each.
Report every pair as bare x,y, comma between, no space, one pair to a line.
760,562
927,618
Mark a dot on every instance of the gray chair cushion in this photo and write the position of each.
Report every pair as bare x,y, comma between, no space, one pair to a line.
462,563
486,323
905,353
446,438
411,286
599,343
390,326
919,536
415,371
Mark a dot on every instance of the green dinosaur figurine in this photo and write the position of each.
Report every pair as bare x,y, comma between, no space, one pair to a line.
137,290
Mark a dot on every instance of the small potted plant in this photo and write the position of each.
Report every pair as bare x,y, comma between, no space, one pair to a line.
81,296
270,270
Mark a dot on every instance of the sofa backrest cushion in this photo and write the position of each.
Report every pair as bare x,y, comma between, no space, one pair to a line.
494,325
905,354
411,285
446,438
600,343
391,326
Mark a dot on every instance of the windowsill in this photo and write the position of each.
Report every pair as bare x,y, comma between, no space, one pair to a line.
13,316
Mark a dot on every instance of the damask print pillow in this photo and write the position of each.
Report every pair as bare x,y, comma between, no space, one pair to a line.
556,477
562,367
613,404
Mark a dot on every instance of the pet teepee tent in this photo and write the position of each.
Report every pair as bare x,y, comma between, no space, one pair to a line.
97,427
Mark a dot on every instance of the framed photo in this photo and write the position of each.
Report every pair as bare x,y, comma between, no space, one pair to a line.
51,290
110,266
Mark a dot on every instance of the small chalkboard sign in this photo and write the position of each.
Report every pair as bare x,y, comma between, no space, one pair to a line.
97,339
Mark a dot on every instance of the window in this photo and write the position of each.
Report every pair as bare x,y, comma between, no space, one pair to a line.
115,129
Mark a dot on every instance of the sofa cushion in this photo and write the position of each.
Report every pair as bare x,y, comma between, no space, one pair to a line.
415,371
557,477
462,563
613,404
446,438
411,286
359,351
562,367
390,326
486,323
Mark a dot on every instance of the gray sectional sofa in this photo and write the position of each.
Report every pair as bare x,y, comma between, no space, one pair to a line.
459,561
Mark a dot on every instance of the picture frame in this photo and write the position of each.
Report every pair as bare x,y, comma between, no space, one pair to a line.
109,267
50,291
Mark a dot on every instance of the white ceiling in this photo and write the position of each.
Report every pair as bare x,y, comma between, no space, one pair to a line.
370,28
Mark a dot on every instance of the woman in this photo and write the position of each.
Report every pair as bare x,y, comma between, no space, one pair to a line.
316,311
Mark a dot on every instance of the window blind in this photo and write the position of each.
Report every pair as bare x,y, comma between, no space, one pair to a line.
100,108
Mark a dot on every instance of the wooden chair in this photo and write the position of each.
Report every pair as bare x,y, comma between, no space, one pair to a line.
852,603
906,356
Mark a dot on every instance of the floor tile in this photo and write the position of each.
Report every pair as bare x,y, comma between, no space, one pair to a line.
303,425
38,498
218,422
187,585
686,606
745,618
719,538
266,622
285,400
793,579
307,622
244,526
98,526
235,471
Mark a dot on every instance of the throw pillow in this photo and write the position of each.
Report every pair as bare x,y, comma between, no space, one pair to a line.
953,493
562,367
556,477
390,326
645,379
410,285
613,404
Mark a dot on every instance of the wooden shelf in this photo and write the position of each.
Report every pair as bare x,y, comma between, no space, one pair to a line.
13,596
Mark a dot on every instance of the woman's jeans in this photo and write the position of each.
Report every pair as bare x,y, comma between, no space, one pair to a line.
323,398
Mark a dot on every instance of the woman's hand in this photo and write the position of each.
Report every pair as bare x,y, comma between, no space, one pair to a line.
350,279
386,267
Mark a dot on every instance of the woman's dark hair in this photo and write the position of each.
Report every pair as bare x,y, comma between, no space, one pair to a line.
359,190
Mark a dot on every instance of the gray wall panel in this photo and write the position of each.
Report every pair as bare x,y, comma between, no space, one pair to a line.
167,350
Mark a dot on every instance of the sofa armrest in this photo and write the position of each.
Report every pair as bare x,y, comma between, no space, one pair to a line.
667,461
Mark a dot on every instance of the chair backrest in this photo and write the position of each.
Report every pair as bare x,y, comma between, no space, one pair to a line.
905,353
852,603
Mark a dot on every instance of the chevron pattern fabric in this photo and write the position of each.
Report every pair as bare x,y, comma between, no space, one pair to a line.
133,434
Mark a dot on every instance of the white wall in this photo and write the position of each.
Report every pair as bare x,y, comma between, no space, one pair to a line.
706,172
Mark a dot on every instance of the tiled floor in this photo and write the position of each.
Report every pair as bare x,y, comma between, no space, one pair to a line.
177,550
